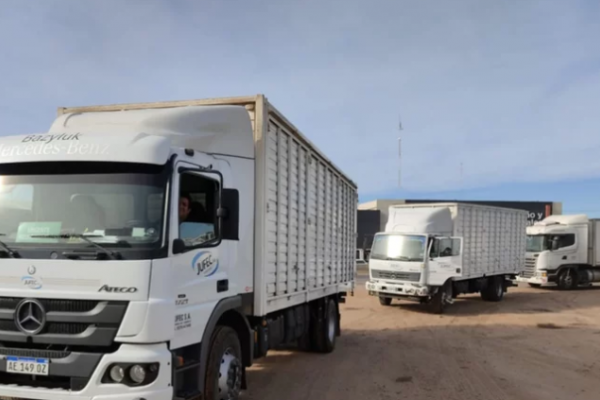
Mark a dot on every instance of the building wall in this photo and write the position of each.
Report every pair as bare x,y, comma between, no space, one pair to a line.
367,226
383,206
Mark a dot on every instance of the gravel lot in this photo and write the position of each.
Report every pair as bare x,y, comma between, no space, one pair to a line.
536,344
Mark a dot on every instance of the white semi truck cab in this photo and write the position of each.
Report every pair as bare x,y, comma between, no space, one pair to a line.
434,252
153,251
562,250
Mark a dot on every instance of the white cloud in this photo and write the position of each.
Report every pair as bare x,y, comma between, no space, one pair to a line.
509,90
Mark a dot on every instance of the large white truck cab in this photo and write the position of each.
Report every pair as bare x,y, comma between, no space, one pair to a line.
562,250
152,251
434,252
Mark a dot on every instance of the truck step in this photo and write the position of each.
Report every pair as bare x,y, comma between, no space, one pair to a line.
187,366
188,396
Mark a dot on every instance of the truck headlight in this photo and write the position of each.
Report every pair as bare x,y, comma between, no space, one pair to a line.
117,373
137,373
131,374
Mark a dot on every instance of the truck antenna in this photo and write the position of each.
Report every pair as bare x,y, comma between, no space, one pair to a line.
399,152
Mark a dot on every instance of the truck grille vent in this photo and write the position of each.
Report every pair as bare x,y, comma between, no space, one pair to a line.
52,305
55,354
52,327
396,276
529,270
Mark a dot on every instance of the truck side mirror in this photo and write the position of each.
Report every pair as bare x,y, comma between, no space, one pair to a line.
229,214
178,246
554,245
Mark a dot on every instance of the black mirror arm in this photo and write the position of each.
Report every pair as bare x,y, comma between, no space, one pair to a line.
222,212
178,246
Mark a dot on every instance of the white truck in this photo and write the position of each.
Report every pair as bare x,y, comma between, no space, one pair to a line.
563,250
434,252
153,251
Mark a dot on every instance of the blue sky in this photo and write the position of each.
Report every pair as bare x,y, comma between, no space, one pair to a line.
508,89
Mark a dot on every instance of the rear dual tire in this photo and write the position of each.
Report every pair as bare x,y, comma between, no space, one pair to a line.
494,291
323,331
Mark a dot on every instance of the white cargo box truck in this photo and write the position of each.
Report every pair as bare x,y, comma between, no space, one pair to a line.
563,250
153,251
434,252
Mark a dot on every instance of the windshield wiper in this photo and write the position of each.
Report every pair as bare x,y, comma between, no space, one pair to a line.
10,252
113,255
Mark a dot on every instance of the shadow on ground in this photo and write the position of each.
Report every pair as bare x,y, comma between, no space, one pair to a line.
451,362
515,301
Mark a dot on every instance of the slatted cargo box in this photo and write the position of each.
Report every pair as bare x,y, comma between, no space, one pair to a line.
305,216
305,209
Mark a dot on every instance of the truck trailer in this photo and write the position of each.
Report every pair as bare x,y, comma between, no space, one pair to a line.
563,251
434,252
153,251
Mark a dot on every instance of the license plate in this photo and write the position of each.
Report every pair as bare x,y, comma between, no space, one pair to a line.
26,365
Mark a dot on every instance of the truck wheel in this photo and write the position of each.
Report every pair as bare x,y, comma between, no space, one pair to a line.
385,301
568,279
224,370
325,330
494,290
437,304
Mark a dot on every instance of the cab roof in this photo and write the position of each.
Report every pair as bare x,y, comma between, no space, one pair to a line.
137,136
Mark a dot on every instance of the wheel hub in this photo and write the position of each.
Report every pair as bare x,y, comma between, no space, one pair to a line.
230,376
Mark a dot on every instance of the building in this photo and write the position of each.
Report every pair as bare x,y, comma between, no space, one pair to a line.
372,216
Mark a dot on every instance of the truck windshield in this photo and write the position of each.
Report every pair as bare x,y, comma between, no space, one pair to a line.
116,206
398,247
537,243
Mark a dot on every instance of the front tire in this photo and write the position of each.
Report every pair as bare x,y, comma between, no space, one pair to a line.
568,279
437,304
385,301
225,369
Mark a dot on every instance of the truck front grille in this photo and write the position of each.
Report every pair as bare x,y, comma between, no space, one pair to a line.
73,335
396,275
529,270
84,323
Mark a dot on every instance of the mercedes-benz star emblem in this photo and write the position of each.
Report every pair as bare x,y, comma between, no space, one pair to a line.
30,317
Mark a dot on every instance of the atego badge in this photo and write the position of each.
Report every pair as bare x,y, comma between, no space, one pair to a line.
117,289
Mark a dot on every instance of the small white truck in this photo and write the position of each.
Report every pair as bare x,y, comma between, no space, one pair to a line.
434,252
153,251
563,251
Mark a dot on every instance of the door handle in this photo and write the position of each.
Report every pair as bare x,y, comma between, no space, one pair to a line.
222,285
564,257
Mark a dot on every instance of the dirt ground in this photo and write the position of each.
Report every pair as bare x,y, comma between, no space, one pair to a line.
535,344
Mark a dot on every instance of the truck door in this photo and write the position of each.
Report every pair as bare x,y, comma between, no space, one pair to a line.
200,259
445,260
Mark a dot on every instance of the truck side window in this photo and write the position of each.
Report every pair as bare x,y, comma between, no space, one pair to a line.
445,247
566,241
199,200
